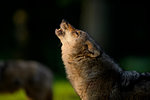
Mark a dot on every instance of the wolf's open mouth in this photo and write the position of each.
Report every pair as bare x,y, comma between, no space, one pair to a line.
64,27
59,32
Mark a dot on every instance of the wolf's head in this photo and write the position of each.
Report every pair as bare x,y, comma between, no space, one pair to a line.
74,38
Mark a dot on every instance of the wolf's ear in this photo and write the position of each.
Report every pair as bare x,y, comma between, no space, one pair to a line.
93,51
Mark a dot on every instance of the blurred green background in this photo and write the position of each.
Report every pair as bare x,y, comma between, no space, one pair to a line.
27,32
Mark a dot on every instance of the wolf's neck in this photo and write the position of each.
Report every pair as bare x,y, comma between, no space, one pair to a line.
86,73
86,66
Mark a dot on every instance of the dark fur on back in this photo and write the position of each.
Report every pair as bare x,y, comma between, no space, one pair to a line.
93,74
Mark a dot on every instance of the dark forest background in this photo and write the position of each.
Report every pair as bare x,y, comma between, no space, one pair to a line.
120,26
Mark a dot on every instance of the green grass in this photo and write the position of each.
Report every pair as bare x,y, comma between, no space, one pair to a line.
19,95
62,90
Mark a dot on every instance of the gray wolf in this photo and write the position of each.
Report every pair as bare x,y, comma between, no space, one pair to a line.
93,74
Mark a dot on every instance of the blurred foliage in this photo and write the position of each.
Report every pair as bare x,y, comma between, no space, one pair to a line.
28,32
140,64
28,28
64,3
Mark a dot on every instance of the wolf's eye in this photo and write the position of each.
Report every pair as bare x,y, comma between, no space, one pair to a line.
75,34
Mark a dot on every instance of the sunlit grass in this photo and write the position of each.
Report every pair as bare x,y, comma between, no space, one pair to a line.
19,95
62,90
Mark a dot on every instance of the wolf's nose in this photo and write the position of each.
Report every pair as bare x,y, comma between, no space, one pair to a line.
64,21
64,25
